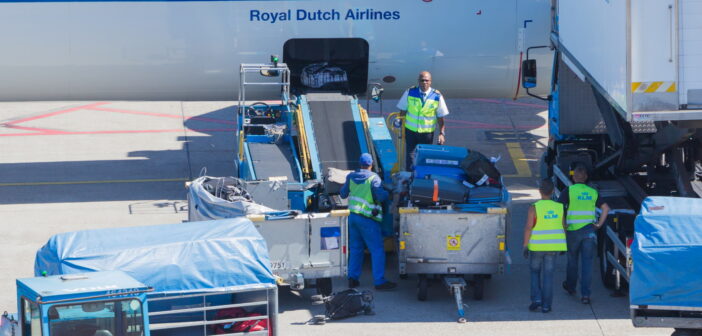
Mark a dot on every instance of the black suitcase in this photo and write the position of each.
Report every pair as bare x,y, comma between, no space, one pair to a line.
479,169
425,192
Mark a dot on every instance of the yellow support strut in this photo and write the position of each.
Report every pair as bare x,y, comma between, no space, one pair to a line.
302,141
398,136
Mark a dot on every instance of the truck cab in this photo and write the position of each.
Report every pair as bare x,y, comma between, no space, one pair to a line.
109,303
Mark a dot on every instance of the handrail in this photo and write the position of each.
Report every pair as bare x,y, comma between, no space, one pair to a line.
207,308
366,130
304,151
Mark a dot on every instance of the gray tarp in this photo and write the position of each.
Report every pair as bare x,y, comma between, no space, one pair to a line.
202,205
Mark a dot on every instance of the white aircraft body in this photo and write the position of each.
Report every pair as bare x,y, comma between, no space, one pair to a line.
191,50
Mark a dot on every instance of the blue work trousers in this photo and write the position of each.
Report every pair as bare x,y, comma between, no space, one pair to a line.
581,250
365,232
541,264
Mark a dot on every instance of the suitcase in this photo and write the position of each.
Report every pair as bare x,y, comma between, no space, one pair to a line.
479,195
424,172
439,156
425,192
479,169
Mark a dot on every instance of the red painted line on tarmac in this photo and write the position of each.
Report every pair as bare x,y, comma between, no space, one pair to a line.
180,130
495,101
164,115
477,124
41,130
51,114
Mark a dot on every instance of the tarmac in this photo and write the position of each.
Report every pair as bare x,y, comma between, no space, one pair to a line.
69,166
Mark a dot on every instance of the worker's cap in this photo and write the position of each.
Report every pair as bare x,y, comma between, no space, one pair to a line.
366,160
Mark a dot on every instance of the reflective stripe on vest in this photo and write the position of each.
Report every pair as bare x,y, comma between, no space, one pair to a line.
548,233
361,199
581,209
421,118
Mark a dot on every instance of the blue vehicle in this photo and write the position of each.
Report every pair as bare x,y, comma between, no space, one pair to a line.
202,278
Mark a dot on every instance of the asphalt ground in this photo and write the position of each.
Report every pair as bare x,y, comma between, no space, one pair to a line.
68,166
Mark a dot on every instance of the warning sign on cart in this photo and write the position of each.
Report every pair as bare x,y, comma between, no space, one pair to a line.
453,243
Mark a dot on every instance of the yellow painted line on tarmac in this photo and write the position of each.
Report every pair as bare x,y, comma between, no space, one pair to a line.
18,184
518,159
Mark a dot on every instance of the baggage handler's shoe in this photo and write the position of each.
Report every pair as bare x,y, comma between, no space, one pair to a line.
570,291
353,283
585,300
534,306
386,286
546,310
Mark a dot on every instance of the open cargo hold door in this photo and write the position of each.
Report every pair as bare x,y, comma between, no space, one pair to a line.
326,56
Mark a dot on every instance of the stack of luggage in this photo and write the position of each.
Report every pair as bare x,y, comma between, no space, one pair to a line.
445,175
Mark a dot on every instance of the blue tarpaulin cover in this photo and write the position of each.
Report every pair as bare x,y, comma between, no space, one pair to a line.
177,258
667,253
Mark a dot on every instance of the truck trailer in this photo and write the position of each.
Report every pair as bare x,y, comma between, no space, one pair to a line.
625,101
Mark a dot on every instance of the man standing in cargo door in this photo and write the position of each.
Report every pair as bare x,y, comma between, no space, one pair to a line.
365,193
581,202
423,108
544,238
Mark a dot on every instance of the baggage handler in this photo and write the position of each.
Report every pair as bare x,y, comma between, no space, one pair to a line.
581,202
365,193
423,108
544,238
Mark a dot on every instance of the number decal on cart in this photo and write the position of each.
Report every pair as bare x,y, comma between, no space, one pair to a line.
278,265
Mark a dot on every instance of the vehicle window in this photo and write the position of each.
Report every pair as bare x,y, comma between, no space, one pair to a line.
31,318
103,318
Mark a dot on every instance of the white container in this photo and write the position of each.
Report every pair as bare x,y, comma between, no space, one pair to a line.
645,55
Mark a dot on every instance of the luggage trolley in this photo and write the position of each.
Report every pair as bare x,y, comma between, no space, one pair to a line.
447,233
452,244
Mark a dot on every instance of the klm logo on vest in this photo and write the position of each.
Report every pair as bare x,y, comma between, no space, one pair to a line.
551,215
585,197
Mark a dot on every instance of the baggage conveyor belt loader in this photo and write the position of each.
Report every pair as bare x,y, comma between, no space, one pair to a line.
292,144
630,110
286,148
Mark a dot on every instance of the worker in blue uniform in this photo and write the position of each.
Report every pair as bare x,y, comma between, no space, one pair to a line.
364,190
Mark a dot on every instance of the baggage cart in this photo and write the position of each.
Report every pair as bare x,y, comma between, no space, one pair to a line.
453,245
195,278
310,246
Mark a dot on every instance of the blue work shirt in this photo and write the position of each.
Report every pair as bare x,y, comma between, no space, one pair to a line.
360,176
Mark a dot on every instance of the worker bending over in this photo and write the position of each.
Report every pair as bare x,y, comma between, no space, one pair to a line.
423,108
365,193
544,237
581,202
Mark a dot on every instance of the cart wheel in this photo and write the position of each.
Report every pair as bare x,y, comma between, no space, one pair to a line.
422,287
324,286
462,320
478,287
319,320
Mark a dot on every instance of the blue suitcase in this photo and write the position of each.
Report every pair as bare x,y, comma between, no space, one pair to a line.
422,172
479,195
439,156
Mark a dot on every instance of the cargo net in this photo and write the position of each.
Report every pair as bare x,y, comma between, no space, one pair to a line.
324,76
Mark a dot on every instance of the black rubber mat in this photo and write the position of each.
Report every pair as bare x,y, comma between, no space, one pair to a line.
273,160
335,131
